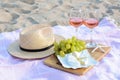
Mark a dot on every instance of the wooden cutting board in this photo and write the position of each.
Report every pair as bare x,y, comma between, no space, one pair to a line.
52,61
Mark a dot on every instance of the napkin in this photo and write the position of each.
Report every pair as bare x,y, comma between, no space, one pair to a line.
77,60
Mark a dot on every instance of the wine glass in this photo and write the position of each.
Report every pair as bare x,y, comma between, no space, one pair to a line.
91,21
76,18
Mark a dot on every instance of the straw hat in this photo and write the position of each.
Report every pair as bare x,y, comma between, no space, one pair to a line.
34,42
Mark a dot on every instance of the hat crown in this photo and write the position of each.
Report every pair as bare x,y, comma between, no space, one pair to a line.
36,37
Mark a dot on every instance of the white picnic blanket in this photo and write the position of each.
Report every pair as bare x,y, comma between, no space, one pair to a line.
12,68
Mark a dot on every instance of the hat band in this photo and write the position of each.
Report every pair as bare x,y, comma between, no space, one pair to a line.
36,50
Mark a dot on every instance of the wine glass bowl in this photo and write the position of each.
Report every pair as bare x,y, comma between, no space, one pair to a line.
91,23
76,22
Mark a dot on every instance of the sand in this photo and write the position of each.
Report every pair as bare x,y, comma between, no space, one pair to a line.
16,14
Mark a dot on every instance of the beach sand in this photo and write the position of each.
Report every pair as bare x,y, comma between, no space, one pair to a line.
15,14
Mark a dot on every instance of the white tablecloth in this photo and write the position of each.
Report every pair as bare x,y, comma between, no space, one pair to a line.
12,68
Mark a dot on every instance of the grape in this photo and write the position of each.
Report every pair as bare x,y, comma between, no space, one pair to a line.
56,52
55,44
62,44
73,38
55,49
73,49
68,51
67,46
77,49
63,49
62,54
73,43
69,41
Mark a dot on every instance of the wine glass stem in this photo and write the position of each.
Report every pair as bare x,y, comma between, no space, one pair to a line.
76,32
91,38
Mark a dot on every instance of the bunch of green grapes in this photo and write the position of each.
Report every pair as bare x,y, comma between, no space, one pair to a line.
68,46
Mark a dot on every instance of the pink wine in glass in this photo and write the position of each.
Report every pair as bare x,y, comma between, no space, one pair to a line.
76,22
91,23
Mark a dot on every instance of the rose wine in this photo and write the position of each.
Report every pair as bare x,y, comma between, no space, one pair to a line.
76,22
91,23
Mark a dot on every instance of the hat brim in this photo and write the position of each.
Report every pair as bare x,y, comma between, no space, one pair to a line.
15,50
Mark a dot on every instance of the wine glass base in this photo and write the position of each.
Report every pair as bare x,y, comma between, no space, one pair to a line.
91,45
